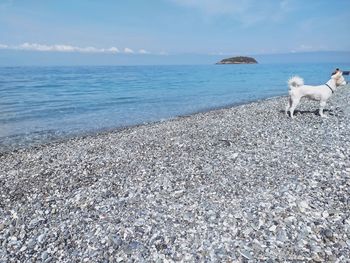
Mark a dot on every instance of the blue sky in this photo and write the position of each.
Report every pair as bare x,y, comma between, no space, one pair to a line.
145,29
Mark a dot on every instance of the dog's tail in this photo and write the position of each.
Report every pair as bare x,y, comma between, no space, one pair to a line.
295,82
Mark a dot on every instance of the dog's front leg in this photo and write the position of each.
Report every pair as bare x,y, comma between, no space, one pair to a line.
294,104
322,105
288,106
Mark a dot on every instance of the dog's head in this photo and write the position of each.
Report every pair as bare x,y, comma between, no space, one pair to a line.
339,79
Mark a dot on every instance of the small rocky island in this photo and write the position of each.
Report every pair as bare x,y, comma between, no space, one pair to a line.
238,60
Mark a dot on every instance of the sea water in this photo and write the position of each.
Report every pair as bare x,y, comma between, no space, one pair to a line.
41,104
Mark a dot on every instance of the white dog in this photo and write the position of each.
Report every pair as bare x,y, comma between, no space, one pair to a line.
322,93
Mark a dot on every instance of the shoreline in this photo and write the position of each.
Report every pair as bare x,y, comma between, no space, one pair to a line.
62,139
243,183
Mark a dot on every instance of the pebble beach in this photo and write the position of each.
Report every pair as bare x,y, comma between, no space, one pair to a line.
240,184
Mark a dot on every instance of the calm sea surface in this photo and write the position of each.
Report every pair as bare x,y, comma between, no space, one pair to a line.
41,104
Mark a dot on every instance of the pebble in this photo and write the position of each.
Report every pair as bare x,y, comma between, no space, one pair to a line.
117,241
325,214
44,256
41,238
31,243
273,228
327,233
246,254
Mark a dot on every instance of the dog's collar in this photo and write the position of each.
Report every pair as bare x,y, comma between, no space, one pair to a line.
329,88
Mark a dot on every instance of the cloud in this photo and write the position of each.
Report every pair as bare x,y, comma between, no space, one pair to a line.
142,51
59,48
310,48
113,49
68,48
305,47
128,50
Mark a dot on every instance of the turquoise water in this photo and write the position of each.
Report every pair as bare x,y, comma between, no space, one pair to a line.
40,104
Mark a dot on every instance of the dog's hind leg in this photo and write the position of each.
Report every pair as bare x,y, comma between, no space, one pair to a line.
322,105
294,104
288,106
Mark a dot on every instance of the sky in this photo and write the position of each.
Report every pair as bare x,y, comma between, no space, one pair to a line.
107,31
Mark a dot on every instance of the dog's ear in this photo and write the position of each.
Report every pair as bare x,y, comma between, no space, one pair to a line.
337,75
